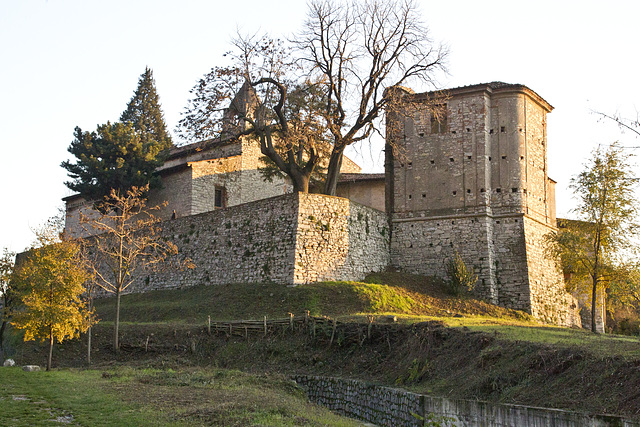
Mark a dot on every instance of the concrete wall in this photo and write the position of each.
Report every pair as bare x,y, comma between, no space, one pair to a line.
386,406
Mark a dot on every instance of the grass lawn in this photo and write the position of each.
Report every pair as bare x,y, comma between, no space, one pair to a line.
141,397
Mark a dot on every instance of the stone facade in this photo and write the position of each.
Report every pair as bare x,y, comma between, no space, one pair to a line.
198,176
385,406
472,178
289,239
469,176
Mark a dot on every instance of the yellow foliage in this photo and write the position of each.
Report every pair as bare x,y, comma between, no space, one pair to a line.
50,284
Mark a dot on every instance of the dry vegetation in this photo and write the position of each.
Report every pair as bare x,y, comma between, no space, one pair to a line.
491,354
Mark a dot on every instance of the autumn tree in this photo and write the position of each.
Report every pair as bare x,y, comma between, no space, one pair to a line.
49,284
358,50
6,294
262,94
594,246
126,245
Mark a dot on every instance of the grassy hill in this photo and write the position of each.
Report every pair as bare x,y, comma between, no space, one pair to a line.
455,347
407,296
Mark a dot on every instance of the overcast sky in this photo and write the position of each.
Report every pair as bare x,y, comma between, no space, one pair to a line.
76,63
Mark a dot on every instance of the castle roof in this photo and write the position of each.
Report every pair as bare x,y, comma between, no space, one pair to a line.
491,87
359,177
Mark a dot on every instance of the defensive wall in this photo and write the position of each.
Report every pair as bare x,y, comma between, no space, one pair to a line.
385,406
289,239
471,178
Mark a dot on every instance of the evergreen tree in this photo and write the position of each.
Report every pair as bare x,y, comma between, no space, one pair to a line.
116,156
145,113
123,155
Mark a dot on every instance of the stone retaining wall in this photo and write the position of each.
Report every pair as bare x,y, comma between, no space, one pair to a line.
289,239
387,406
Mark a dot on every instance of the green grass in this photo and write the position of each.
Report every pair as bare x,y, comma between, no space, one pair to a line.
597,344
411,298
253,301
37,398
140,397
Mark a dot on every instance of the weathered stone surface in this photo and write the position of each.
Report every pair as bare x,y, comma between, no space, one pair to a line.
386,406
290,239
31,368
477,184
9,362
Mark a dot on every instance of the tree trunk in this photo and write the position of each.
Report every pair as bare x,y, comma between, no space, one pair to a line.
50,349
89,346
300,182
593,304
2,329
90,327
333,171
116,345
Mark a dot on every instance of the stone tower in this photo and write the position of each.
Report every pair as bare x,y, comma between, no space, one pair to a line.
469,175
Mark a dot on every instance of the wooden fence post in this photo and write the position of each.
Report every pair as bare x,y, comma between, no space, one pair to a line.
333,332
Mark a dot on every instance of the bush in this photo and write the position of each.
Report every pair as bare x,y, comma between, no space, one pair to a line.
461,279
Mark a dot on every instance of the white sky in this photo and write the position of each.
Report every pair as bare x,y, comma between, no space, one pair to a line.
76,63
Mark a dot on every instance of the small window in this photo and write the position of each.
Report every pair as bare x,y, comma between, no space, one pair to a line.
502,130
219,201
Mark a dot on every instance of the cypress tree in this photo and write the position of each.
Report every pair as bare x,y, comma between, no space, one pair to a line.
144,112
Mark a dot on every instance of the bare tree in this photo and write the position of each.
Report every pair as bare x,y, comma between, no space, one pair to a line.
262,95
358,50
126,244
624,123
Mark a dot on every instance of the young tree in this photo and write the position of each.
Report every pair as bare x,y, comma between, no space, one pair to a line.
262,95
358,50
593,247
145,113
6,294
126,244
49,284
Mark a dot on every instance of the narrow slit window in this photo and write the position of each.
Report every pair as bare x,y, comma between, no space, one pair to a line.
219,201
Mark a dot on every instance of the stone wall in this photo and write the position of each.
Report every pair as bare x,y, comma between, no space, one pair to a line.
550,301
386,406
289,239
339,240
472,179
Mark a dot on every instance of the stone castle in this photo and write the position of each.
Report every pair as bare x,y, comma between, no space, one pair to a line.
471,178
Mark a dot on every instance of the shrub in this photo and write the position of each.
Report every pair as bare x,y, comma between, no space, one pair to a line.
461,279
